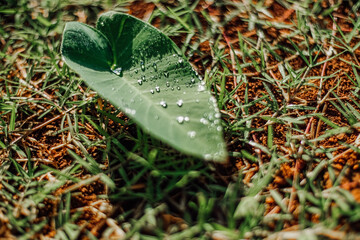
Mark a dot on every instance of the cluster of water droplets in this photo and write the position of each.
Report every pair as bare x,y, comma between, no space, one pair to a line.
191,134
116,69
182,119
150,74
148,71
163,103
179,102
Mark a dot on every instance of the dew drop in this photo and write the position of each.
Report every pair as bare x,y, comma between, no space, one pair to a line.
219,128
167,84
155,66
152,91
163,104
180,102
166,74
201,88
191,134
130,111
172,89
142,65
187,119
117,71
180,119
157,89
113,89
140,82
207,156
180,60
178,88
143,78
217,115
136,71
192,80
204,121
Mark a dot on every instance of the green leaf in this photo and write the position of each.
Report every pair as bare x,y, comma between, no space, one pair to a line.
142,72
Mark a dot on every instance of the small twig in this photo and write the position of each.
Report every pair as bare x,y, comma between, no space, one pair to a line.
41,126
232,57
258,151
285,94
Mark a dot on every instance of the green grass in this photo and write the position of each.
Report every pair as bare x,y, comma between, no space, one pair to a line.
60,142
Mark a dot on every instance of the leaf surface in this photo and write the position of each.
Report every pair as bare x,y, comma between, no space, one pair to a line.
142,72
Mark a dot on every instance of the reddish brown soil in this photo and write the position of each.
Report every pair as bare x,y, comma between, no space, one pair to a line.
47,146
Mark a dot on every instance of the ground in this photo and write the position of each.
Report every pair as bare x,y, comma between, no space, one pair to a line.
285,75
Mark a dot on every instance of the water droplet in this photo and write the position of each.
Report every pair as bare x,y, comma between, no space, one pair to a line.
136,71
130,111
142,65
155,66
207,156
166,74
180,60
180,102
212,100
197,100
180,119
152,91
192,80
117,71
219,128
163,104
140,82
157,89
217,115
167,84
172,89
187,119
178,88
143,78
201,88
204,121
113,89
191,134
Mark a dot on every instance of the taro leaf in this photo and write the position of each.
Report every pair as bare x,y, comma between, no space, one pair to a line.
142,72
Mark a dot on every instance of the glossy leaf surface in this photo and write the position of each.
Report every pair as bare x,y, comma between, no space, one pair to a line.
142,72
